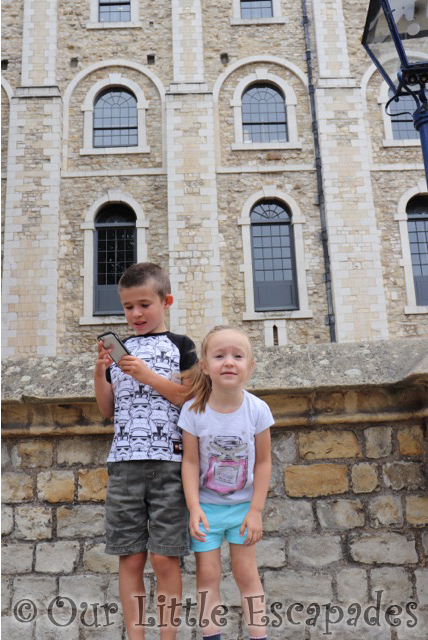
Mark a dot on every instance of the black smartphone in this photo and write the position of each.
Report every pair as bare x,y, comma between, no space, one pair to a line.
110,339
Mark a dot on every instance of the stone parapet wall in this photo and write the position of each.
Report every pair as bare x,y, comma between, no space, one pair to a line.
346,518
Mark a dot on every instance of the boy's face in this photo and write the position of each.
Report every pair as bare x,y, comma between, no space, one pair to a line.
144,309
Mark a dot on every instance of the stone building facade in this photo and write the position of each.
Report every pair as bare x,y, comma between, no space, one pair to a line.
192,180
347,505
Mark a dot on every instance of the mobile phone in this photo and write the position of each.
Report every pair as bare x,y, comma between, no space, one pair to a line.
110,339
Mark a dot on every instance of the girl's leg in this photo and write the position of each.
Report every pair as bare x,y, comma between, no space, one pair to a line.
168,579
130,585
208,574
244,569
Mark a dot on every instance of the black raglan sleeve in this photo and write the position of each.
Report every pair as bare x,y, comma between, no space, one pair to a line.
187,350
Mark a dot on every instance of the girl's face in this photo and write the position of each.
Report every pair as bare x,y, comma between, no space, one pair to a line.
228,360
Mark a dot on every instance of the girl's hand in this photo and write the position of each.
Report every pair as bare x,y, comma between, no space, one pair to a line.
136,368
103,360
253,523
197,516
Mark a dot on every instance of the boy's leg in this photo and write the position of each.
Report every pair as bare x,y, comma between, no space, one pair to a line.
168,593
244,569
131,584
208,574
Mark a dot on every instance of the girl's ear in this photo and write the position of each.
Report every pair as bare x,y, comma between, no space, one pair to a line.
203,366
251,368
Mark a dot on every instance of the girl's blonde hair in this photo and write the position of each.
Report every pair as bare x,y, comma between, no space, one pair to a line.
200,382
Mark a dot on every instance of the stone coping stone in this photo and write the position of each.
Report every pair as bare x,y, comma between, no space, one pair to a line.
291,368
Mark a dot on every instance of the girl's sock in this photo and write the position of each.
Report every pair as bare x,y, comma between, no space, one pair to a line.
215,636
257,637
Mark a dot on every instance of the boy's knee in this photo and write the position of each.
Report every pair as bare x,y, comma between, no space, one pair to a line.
163,564
133,563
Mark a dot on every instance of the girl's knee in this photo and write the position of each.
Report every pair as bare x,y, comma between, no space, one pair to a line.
245,573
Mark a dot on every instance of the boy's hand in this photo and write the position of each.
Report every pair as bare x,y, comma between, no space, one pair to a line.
253,523
196,516
103,360
136,368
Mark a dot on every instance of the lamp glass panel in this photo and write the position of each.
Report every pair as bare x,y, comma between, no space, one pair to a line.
411,19
378,40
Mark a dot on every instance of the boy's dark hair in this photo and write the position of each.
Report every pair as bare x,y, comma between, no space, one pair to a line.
143,273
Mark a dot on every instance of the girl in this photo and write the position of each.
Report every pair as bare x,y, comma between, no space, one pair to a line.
226,471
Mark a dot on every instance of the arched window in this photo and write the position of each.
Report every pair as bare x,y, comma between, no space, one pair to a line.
115,251
115,119
417,223
274,269
251,9
114,10
263,114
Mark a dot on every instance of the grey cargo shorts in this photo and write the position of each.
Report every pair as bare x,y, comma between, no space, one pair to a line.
146,509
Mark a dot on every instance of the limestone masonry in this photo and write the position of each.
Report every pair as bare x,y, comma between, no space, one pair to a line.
341,343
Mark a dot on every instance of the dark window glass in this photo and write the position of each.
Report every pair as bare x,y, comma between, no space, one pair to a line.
115,11
417,214
115,119
263,114
256,9
115,251
274,270
402,125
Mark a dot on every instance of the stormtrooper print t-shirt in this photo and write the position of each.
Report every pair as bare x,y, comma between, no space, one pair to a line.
145,423
227,448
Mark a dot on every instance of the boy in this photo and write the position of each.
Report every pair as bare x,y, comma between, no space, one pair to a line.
143,392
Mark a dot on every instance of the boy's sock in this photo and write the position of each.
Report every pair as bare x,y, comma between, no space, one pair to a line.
214,636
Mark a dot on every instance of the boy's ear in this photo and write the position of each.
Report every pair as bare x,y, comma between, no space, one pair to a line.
168,301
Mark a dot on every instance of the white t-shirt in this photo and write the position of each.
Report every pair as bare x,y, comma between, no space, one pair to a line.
226,448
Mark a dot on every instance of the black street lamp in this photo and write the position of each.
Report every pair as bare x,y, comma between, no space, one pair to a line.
396,39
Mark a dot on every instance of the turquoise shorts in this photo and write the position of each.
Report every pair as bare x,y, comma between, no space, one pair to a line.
224,521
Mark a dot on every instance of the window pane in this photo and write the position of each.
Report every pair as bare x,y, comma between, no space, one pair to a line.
417,211
115,11
402,118
256,9
115,119
273,266
264,115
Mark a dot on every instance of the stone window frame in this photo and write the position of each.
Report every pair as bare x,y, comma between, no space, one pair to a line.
270,318
94,22
389,140
114,80
262,74
277,17
87,272
406,260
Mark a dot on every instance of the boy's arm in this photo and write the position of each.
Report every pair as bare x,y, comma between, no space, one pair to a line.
135,367
262,471
190,477
103,389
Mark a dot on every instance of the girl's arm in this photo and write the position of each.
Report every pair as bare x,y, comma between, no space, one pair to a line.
262,471
135,367
190,477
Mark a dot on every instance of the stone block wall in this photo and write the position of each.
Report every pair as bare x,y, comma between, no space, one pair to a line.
345,526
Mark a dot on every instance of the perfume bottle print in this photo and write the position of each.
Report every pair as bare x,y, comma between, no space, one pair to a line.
227,465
